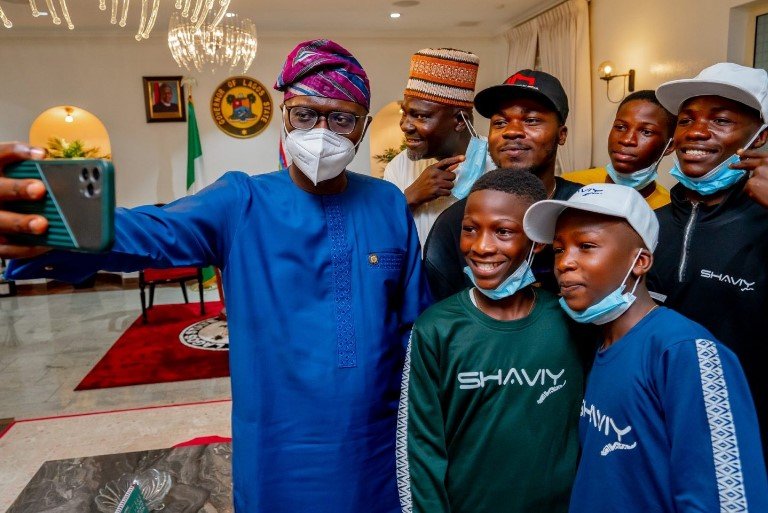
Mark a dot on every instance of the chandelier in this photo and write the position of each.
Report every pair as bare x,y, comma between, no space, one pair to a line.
199,10
199,44
36,12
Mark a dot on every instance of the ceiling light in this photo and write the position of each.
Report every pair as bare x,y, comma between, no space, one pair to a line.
35,13
196,12
228,43
394,15
69,118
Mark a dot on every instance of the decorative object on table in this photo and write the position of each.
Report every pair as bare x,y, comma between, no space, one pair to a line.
133,501
164,99
153,353
241,107
211,43
152,484
202,477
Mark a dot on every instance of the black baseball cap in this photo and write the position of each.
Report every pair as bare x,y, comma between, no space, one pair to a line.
524,82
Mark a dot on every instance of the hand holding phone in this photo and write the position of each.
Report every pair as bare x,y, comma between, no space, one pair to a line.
79,203
19,190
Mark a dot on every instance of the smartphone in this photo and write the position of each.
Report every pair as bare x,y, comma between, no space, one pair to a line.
79,203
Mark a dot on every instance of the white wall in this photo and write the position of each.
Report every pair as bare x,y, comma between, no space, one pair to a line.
662,40
102,74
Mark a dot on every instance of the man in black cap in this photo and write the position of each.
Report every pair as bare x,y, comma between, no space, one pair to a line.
528,113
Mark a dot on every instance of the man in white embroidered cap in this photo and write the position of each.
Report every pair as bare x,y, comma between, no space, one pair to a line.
667,422
713,243
444,155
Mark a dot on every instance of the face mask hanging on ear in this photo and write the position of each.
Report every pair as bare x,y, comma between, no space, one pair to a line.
473,165
611,307
522,277
640,178
719,178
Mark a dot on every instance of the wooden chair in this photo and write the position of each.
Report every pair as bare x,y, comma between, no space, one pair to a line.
180,275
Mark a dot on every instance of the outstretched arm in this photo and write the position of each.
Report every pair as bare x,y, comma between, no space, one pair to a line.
192,231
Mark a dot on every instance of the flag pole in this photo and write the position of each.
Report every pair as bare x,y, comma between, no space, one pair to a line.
194,177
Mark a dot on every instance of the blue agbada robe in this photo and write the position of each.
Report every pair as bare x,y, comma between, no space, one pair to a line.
320,293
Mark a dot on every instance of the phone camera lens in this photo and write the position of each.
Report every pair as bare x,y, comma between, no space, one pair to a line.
84,175
96,174
89,190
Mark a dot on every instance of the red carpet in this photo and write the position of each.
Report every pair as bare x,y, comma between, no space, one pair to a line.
152,353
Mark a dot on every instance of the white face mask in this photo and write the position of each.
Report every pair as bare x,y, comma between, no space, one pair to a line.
319,153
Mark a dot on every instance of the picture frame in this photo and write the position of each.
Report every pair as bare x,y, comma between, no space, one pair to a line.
164,99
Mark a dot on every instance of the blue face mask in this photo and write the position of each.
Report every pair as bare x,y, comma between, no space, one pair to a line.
473,165
522,277
638,179
608,309
719,178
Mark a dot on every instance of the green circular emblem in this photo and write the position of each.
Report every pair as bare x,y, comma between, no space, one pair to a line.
241,107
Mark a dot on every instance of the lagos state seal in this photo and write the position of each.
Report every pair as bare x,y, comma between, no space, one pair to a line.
209,334
241,107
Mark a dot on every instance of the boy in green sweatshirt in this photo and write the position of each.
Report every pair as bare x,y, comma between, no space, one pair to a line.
494,378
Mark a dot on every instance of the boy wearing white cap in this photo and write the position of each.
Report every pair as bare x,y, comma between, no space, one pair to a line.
667,423
713,243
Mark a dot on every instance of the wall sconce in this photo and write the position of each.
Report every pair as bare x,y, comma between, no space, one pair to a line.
69,118
606,71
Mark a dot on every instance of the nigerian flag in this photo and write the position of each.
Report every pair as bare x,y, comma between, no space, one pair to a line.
194,152
195,171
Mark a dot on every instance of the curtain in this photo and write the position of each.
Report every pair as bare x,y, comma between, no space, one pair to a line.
563,44
522,41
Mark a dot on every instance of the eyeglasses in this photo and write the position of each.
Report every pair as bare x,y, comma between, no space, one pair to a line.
304,118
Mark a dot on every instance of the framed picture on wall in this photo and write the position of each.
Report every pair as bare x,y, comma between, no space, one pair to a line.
164,99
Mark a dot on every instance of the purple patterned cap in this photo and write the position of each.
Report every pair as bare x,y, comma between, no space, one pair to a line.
323,68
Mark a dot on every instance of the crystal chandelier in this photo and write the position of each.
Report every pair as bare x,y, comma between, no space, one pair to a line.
200,10
145,24
51,9
199,44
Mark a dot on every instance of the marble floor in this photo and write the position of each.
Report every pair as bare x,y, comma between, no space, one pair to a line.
48,343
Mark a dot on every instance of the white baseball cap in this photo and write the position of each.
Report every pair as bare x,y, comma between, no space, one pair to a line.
733,81
601,198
